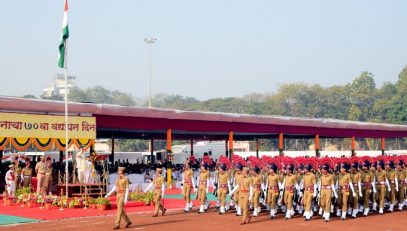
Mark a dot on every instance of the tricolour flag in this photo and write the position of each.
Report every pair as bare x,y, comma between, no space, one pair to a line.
64,37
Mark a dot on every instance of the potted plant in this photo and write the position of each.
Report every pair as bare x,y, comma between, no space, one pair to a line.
92,203
48,203
9,200
102,203
148,198
31,201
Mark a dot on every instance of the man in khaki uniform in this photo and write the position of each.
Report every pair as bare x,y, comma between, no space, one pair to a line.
237,176
245,187
392,178
26,173
122,189
355,177
224,187
368,185
326,187
257,179
344,183
401,177
17,171
48,176
272,187
289,184
158,184
310,190
203,187
382,182
188,185
40,169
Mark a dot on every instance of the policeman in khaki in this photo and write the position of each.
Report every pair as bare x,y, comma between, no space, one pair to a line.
122,189
290,182
310,190
344,183
257,179
41,170
188,185
26,173
368,185
272,187
245,186
224,187
382,182
159,187
402,178
203,187
357,186
326,187
392,179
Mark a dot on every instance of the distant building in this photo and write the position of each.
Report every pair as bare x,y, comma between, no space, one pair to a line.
57,89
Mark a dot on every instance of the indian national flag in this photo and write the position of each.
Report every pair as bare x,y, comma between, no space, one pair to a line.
64,37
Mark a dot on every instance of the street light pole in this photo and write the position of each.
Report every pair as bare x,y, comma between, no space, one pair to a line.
150,41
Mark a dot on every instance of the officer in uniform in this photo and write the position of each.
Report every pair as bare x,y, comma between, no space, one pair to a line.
401,177
224,187
326,187
344,183
48,176
245,186
368,185
237,176
26,173
257,179
392,178
17,172
382,181
122,189
188,184
355,177
159,187
203,187
272,186
290,182
40,169
310,190
10,179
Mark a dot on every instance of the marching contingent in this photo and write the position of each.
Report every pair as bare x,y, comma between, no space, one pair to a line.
307,186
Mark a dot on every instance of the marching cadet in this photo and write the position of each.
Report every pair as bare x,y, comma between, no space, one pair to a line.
326,187
272,186
401,176
392,179
40,169
257,179
224,186
48,176
367,178
10,179
26,173
355,177
245,187
237,176
289,184
382,181
122,189
17,172
188,185
159,187
310,190
203,187
344,183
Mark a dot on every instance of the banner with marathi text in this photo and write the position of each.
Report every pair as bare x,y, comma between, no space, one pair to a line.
16,125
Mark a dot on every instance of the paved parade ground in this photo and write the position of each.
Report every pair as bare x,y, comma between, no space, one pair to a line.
177,220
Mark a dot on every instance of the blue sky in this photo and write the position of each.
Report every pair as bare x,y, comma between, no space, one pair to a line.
204,49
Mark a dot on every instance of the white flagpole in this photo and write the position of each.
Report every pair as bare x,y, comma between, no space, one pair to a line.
66,120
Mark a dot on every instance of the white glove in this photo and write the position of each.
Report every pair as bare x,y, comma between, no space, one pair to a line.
360,194
315,194
194,190
300,194
207,190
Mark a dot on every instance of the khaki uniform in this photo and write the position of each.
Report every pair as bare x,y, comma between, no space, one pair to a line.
343,191
401,177
366,179
391,176
203,177
41,168
257,180
223,187
27,173
122,183
244,186
238,175
48,179
354,200
290,181
272,190
158,183
326,192
381,178
186,189
309,182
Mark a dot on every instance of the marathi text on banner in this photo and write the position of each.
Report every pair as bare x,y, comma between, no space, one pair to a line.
46,126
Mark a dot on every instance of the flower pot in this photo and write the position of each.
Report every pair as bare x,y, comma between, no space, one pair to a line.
48,206
93,206
30,204
101,206
4,200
